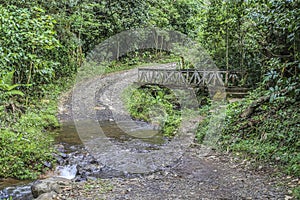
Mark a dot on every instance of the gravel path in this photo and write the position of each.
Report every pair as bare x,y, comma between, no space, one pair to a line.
215,176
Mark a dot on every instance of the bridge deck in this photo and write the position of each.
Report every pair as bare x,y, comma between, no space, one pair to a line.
189,77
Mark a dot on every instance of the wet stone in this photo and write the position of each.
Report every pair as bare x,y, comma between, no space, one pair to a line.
47,196
47,186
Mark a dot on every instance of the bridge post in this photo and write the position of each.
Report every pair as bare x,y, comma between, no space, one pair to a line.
226,78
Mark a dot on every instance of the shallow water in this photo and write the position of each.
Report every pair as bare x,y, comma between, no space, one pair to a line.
68,137
116,132
138,136
18,189
132,130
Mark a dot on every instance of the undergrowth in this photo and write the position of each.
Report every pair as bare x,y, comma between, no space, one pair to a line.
270,134
156,105
267,135
26,146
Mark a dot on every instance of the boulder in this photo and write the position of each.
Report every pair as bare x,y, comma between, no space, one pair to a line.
49,185
47,196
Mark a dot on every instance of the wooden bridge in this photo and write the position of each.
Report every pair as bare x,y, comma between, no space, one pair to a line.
189,77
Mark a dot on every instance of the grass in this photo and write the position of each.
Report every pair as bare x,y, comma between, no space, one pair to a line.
269,135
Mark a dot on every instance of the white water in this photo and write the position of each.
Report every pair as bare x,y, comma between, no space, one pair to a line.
68,171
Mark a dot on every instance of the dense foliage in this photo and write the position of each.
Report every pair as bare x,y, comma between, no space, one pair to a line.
259,35
26,150
256,36
156,105
262,38
271,133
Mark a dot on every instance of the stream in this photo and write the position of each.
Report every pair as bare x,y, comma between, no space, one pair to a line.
75,162
127,139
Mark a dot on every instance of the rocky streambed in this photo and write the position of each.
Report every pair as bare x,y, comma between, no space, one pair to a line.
215,176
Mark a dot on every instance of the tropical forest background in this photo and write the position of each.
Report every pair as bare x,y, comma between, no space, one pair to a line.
44,43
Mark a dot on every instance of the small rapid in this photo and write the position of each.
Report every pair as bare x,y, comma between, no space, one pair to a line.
17,192
68,171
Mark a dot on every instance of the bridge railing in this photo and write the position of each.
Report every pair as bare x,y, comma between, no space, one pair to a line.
189,77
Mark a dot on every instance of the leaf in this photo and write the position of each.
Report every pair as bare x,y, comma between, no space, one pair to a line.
11,87
14,92
8,78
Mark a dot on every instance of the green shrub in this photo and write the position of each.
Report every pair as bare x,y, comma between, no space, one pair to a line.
27,44
270,134
25,143
23,155
156,105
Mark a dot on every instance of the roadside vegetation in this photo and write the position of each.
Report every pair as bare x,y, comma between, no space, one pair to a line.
270,133
26,145
263,39
156,105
